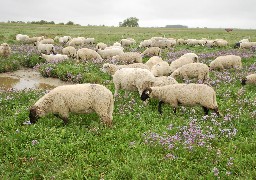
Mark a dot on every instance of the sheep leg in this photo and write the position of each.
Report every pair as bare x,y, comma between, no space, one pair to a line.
65,119
160,107
206,110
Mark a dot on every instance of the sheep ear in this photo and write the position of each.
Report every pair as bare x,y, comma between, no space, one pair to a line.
147,92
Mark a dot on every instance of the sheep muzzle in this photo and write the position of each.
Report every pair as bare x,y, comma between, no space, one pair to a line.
33,117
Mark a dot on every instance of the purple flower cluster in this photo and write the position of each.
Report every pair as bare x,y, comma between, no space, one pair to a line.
27,49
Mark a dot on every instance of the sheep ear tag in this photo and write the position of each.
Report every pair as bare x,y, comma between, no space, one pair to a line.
147,92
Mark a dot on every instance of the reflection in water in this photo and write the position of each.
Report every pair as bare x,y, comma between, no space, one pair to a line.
7,82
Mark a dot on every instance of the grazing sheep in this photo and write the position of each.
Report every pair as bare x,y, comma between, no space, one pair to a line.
226,62
132,79
145,43
209,43
89,40
101,46
70,51
164,80
22,37
164,43
64,39
127,42
45,48
109,53
79,41
161,69
112,68
180,62
79,98
192,70
47,41
245,45
192,56
152,51
250,79
87,54
54,57
153,61
220,43
180,41
34,39
184,94
128,58
5,50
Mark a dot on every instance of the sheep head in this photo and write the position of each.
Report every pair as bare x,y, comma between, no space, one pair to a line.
243,81
33,116
145,94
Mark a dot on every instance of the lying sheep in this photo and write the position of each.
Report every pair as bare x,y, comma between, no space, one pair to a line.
152,51
226,62
109,53
70,51
101,46
180,62
112,68
250,79
54,57
5,50
132,79
192,70
87,54
145,43
161,69
45,48
128,58
79,98
183,94
164,80
153,61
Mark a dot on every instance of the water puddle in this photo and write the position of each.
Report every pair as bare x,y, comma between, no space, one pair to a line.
27,79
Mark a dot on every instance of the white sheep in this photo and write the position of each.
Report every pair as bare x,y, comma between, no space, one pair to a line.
128,58
87,54
209,43
5,50
152,51
127,42
89,40
180,62
250,79
45,48
245,45
226,62
101,46
64,39
109,53
132,79
192,56
161,69
180,41
153,61
164,43
34,39
164,80
79,98
220,43
192,70
47,41
183,94
54,57
22,37
145,43
79,41
112,68
70,51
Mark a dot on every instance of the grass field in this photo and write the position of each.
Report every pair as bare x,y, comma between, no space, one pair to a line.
142,144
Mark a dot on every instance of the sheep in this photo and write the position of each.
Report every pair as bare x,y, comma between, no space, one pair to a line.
180,62
127,42
250,79
220,43
192,56
153,61
152,51
164,80
87,54
180,41
89,41
109,53
128,57
22,37
79,41
54,57
245,45
70,51
101,46
64,39
145,43
5,50
161,69
209,43
34,39
45,48
77,98
47,41
198,70
164,43
112,68
184,94
132,79
226,62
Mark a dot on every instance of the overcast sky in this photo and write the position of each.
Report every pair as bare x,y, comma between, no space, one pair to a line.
151,13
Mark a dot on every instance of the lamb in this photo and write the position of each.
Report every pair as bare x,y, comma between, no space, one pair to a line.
132,79
109,53
164,80
226,62
128,57
152,51
184,94
87,54
45,48
161,69
153,61
101,46
78,98
198,70
145,43
22,37
47,41
250,79
54,57
180,62
192,56
70,51
112,68
5,50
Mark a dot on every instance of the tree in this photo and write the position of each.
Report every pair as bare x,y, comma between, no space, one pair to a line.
130,22
70,23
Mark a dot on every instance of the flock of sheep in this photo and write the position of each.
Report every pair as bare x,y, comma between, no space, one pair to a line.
154,79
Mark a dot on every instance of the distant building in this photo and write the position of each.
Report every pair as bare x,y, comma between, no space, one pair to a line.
176,26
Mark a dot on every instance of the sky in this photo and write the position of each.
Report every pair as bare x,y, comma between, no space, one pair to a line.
151,13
